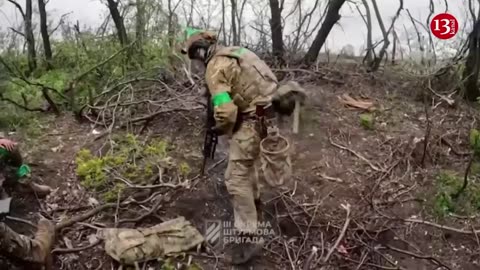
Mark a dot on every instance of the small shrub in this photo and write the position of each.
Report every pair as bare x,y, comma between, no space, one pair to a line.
447,184
129,158
475,141
367,120
184,169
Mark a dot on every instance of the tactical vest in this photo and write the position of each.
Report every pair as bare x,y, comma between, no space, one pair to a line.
256,83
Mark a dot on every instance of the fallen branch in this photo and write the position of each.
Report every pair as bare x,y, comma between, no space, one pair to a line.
375,168
418,256
130,185
70,222
311,72
150,116
77,249
342,234
145,118
20,105
148,213
447,99
94,211
21,220
333,179
442,227
454,150
310,258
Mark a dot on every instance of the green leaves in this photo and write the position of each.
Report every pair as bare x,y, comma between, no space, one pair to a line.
56,79
367,120
475,141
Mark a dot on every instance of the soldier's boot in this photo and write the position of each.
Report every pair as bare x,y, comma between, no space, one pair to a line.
43,241
243,252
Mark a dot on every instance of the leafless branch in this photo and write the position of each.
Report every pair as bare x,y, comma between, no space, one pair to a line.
19,7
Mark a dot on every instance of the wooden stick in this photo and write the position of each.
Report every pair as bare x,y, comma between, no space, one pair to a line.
342,234
296,117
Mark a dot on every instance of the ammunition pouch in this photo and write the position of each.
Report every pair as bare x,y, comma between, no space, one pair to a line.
261,116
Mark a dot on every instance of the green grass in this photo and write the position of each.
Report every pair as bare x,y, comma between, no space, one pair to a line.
447,184
129,158
367,121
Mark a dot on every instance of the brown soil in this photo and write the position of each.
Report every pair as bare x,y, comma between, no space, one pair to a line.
378,172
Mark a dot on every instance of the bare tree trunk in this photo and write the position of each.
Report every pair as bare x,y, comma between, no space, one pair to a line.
431,60
239,16
385,32
394,49
277,31
44,31
140,25
408,40
32,56
333,15
223,22
172,22
118,20
234,23
472,10
419,38
302,34
190,18
170,31
368,15
472,65
27,33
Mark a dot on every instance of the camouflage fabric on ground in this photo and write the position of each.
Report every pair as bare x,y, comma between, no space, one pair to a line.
129,246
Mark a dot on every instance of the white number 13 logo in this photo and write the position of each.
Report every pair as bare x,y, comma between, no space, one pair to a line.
446,25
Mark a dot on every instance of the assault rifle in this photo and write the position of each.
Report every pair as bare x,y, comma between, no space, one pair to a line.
211,137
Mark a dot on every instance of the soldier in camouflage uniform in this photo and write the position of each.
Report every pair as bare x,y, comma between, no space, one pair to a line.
17,247
241,86
12,244
13,171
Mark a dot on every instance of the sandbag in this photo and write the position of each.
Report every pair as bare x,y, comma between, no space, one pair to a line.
129,246
275,162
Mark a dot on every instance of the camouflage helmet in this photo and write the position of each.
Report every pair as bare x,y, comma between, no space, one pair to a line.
192,35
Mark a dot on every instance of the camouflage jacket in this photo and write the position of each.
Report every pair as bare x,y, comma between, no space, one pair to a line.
242,74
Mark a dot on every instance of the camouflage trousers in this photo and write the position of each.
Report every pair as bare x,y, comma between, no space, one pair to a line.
240,176
15,245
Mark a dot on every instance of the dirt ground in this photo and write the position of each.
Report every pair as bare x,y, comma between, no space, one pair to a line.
381,173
